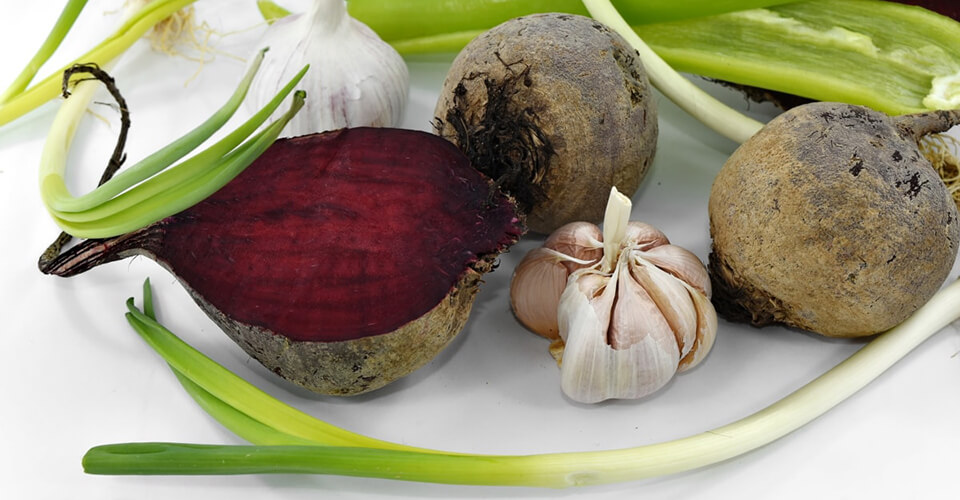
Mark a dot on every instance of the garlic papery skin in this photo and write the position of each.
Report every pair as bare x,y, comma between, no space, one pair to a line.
628,318
540,277
355,78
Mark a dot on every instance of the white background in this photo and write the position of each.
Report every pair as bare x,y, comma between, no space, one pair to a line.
74,375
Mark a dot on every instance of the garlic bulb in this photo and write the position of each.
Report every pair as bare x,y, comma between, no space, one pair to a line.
355,78
626,309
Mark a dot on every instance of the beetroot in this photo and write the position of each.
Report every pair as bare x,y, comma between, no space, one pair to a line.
341,261
947,8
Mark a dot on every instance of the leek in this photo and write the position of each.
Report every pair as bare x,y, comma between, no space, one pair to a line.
336,451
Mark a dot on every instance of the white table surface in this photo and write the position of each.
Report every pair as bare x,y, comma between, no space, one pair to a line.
74,375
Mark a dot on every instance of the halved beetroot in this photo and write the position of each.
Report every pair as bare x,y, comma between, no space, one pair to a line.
341,261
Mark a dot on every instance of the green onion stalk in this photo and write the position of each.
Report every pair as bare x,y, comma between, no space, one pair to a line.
286,440
60,29
19,99
155,187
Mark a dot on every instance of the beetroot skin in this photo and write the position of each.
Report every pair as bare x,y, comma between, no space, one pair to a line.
341,261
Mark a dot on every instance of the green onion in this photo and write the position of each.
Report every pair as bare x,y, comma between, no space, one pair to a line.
270,425
20,102
231,418
151,189
52,171
67,17
233,398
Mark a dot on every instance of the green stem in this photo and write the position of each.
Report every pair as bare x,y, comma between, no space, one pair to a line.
543,470
236,393
60,29
192,459
228,416
710,111
185,195
178,178
106,51
161,192
241,424
59,199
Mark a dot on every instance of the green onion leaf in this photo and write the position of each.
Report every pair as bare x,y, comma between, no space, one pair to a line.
121,205
67,17
161,158
352,455
128,33
233,391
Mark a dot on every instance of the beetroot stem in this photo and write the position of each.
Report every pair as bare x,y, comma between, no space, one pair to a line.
918,125
116,159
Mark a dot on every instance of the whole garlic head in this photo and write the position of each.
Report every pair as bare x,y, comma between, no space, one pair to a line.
626,309
355,78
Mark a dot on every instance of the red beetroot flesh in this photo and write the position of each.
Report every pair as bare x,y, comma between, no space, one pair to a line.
337,236
949,8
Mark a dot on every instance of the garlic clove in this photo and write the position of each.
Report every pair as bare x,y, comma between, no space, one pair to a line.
538,281
706,330
644,235
593,371
584,366
636,315
617,344
681,263
355,78
600,291
672,300
580,240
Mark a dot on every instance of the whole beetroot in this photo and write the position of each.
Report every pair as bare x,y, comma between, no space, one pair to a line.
831,220
557,109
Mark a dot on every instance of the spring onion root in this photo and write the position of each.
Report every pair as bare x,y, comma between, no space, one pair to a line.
280,443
